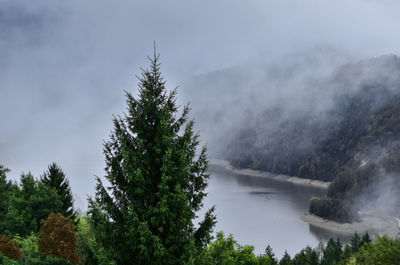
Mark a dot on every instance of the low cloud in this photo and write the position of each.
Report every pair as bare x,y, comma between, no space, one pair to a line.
65,64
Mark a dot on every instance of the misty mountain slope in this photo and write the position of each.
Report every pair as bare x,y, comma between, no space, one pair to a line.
353,143
230,99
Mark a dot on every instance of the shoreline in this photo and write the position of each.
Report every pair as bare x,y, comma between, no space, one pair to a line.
262,174
371,222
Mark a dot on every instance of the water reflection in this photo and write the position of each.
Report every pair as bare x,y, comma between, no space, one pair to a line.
261,212
325,235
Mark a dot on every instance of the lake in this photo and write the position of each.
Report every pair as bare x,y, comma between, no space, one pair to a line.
261,212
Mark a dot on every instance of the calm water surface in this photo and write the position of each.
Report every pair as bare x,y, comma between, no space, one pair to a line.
260,211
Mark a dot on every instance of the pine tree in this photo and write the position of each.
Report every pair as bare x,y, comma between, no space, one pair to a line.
366,239
332,253
6,188
270,253
30,202
157,181
355,242
55,178
286,260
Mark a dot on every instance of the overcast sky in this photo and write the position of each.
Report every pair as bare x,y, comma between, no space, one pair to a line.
65,64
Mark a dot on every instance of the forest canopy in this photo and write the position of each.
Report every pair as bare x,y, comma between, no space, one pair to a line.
157,180
353,143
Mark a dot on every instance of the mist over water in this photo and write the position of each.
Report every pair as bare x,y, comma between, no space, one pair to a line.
263,212
303,98
64,67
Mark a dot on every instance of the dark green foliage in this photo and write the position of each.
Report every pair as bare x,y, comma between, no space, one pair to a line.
6,261
29,203
383,250
350,144
322,151
355,242
157,182
366,239
6,190
347,253
226,251
331,209
352,181
41,259
307,256
89,249
269,252
317,145
286,260
55,178
332,252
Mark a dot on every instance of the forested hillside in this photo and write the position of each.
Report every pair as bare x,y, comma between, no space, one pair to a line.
354,142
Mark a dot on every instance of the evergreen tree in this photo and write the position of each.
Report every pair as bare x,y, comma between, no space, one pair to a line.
365,239
55,178
332,253
355,242
286,260
270,253
307,256
347,253
30,202
6,189
157,181
89,249
383,250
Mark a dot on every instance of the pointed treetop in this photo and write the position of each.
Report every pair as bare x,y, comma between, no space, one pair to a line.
157,181
55,178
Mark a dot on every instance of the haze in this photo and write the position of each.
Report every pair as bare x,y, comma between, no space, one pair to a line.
64,66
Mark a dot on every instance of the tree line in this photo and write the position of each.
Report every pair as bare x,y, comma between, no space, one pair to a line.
156,179
157,176
354,144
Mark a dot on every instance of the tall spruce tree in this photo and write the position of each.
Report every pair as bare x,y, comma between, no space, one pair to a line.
55,178
6,189
157,181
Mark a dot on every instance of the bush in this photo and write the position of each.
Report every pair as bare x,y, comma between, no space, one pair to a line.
6,261
42,259
90,250
9,248
384,250
226,251
57,237
28,244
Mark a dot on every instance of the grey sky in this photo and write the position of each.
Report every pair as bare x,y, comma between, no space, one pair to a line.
64,64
